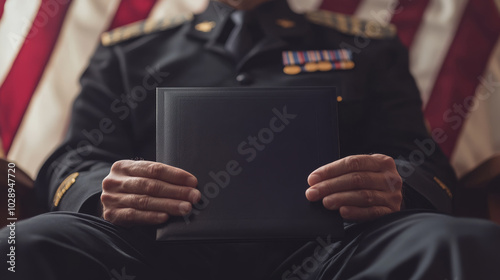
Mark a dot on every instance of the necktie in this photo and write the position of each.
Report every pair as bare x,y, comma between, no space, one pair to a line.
240,39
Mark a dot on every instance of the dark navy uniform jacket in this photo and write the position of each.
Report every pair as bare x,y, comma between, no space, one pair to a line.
114,116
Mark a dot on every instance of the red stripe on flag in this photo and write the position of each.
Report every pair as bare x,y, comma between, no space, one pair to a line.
467,59
2,4
341,6
131,11
28,67
407,17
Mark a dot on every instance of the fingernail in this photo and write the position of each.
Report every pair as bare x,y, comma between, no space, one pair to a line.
312,194
313,179
184,207
194,196
328,203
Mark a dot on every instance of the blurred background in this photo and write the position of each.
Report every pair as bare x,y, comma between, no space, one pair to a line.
454,55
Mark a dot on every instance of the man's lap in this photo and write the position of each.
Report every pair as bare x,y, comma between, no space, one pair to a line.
416,245
71,242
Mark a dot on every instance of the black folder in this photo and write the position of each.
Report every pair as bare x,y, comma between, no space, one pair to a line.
252,150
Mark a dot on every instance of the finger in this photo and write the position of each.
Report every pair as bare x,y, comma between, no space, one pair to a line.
361,198
157,188
349,182
147,203
360,214
155,170
128,217
356,163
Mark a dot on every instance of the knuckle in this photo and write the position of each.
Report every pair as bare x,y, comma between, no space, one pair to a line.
388,162
143,202
396,197
151,187
368,196
353,163
133,184
176,193
129,183
109,183
106,198
155,170
118,165
398,181
109,214
326,188
394,181
358,180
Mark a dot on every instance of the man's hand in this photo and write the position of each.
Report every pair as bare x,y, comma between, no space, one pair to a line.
361,187
146,193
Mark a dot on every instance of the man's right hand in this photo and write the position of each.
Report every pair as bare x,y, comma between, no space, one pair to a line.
146,193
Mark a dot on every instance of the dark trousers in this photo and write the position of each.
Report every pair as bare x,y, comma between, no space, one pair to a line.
404,245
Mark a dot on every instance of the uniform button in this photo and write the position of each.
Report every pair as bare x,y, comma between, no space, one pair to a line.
244,79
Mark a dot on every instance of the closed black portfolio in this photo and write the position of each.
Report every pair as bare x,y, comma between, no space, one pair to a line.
252,150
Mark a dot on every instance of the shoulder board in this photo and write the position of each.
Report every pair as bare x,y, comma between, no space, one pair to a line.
141,28
352,25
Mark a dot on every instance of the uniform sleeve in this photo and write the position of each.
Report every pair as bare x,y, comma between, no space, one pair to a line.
71,178
397,128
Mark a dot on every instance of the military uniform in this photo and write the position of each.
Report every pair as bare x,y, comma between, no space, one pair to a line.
379,112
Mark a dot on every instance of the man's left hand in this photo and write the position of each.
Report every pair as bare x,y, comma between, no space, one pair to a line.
361,187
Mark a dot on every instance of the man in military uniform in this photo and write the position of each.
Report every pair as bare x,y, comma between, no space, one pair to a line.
107,194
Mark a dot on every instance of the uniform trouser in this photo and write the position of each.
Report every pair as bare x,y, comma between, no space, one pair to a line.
404,245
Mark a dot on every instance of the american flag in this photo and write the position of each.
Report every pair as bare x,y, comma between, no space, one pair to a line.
454,55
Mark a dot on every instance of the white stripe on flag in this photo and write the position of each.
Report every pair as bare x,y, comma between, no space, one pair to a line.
15,25
301,6
380,11
45,121
169,8
432,42
480,136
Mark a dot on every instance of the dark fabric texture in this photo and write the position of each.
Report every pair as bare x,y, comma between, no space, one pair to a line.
410,245
240,40
404,245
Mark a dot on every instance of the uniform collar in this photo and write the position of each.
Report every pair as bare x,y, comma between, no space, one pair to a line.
278,20
275,17
210,24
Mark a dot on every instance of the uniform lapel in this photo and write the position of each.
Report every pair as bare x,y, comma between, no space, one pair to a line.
280,26
212,26
278,22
